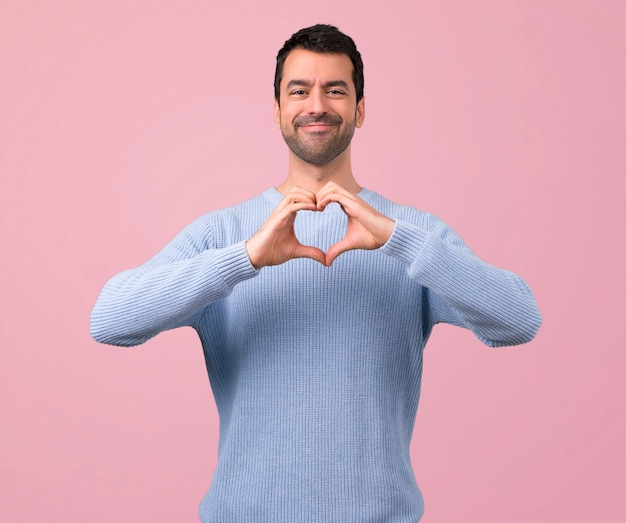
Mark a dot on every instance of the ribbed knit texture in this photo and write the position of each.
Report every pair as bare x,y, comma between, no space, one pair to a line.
316,371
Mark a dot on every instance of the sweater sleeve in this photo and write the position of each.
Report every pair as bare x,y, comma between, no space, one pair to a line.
497,305
169,290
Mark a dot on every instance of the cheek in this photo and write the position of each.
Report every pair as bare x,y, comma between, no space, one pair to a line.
287,118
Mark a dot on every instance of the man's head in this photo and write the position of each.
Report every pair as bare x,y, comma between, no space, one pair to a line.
321,38
319,94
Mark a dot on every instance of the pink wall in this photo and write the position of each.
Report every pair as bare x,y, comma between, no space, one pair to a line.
121,121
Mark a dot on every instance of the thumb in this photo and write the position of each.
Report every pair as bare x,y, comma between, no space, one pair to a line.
336,249
306,251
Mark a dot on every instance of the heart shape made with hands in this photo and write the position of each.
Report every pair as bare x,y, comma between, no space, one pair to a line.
330,251
275,242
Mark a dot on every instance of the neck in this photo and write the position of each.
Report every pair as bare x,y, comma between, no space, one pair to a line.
314,177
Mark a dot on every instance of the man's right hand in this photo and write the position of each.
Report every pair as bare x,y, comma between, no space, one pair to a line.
275,242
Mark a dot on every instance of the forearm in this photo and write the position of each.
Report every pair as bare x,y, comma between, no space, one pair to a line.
137,304
497,305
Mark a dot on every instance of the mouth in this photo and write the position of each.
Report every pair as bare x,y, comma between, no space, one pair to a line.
317,127
317,123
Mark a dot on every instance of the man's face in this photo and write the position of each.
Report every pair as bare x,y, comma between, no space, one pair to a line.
318,111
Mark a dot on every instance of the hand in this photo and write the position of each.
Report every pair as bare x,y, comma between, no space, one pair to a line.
367,228
275,242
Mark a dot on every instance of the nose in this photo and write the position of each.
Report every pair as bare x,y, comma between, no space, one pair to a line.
316,102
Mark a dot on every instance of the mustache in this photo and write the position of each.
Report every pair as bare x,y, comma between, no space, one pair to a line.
326,119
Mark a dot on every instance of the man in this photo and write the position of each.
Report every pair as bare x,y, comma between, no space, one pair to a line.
313,302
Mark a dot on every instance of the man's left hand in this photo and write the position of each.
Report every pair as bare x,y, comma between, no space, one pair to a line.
367,228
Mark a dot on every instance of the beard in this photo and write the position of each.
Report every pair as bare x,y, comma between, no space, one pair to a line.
321,147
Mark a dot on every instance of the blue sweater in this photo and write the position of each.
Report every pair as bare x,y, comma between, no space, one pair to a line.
316,371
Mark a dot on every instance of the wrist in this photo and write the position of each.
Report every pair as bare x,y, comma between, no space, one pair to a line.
252,254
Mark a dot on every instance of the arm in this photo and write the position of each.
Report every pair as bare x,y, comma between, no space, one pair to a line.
189,274
495,304
169,290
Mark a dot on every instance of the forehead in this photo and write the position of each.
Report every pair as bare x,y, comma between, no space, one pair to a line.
302,64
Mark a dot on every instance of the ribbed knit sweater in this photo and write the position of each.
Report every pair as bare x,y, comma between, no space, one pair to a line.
315,370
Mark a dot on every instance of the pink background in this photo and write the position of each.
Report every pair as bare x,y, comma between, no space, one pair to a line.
121,121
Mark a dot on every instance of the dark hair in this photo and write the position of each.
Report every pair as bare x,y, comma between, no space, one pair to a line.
321,38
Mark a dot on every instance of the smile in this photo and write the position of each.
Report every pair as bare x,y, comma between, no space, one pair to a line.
317,127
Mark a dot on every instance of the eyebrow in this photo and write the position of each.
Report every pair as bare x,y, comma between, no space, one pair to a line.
307,83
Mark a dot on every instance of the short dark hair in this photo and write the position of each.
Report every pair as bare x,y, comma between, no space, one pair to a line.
321,38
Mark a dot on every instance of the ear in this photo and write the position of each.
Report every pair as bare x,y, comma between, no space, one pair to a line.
276,113
360,112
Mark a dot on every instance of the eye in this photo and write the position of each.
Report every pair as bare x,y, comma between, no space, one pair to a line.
298,92
336,92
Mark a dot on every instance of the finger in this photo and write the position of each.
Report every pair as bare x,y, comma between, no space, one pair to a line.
377,224
333,187
292,203
299,189
335,250
335,193
306,251
299,194
295,204
303,191
286,213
